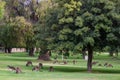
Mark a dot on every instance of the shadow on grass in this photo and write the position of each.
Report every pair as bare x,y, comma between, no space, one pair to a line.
79,69
112,71
18,59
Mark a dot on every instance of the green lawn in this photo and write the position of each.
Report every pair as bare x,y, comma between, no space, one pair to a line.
62,72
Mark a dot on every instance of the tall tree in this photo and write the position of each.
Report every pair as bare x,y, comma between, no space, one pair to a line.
26,9
86,25
100,25
42,28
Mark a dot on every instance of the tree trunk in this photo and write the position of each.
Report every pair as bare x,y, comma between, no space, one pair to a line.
83,53
90,56
31,52
44,55
116,54
6,51
111,53
50,53
27,50
9,50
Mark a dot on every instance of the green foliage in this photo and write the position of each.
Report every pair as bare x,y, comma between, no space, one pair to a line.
66,31
95,10
89,22
82,31
79,46
45,26
111,37
2,4
67,20
61,45
89,25
97,19
71,6
79,21
53,23
15,31
89,40
117,5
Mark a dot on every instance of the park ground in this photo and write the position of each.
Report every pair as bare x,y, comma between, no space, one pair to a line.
61,72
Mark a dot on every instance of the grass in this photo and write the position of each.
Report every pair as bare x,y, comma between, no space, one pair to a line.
62,72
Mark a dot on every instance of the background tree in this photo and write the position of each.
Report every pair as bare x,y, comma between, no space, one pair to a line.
2,4
35,12
14,32
42,29
115,17
24,8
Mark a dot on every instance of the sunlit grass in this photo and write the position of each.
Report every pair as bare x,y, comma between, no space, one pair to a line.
61,72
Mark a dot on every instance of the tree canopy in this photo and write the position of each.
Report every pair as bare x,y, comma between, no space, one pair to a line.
2,4
87,24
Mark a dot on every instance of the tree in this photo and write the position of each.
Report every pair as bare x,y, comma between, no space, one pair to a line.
99,24
43,30
2,4
86,25
68,10
14,33
115,17
117,5
26,9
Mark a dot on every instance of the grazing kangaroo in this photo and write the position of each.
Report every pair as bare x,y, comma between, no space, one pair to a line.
106,64
29,63
65,62
94,63
41,65
74,61
11,68
36,68
55,61
110,65
99,64
51,69
18,70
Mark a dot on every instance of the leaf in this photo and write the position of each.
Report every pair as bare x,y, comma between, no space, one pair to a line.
79,46
89,40
79,21
111,37
66,31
